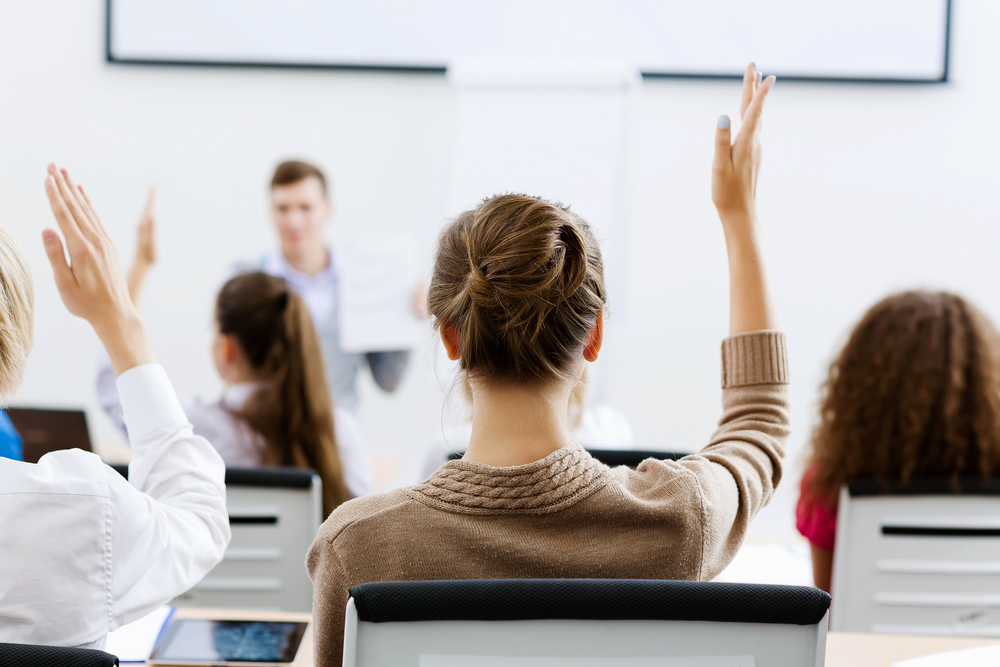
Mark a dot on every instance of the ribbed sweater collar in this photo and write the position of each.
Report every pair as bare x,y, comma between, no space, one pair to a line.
564,477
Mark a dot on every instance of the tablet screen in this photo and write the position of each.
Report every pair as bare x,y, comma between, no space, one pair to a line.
197,640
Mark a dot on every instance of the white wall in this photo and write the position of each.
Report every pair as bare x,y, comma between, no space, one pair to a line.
866,189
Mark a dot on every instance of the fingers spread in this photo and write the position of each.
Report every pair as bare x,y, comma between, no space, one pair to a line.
749,86
57,258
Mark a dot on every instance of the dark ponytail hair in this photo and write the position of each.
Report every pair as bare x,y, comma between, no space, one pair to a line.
522,281
291,410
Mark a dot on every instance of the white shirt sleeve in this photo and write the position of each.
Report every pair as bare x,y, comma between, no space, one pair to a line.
107,390
169,520
353,453
84,551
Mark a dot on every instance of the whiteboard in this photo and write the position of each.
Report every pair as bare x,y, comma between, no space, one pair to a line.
887,40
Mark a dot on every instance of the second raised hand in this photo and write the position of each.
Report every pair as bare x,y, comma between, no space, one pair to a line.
145,251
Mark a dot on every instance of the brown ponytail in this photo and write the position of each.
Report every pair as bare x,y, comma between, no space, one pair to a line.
522,281
291,410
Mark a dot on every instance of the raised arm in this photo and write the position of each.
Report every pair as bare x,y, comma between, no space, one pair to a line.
741,466
145,252
145,257
168,523
734,191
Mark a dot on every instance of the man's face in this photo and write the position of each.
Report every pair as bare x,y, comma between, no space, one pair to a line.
299,211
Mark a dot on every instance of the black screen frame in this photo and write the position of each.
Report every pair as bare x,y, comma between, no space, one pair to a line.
175,624
441,69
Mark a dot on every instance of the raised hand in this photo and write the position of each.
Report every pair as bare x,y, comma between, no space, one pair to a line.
92,284
734,193
145,252
737,164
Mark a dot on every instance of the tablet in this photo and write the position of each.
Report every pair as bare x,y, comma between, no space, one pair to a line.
189,641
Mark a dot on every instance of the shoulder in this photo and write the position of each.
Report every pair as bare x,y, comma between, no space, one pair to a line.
68,471
375,511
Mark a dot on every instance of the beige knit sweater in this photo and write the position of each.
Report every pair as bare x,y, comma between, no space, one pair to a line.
569,515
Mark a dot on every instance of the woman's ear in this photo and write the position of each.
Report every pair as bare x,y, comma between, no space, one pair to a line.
595,339
230,349
451,340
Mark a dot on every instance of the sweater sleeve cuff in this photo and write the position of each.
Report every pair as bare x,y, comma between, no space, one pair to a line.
757,357
148,401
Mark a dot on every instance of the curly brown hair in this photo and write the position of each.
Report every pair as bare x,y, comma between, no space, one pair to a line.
914,393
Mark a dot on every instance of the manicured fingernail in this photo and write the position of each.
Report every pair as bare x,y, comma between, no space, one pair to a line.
773,79
723,121
759,75
50,181
48,235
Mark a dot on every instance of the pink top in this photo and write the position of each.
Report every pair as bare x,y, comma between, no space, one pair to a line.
816,521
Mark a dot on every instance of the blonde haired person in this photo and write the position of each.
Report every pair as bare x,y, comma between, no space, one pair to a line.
518,297
83,550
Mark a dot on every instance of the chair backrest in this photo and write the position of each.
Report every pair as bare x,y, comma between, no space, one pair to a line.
918,559
618,457
29,655
274,514
620,622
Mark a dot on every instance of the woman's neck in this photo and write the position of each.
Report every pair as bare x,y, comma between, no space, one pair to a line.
516,425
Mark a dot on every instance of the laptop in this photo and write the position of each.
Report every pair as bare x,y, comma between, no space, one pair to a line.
43,431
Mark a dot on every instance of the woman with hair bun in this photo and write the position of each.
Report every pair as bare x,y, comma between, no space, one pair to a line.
518,297
915,393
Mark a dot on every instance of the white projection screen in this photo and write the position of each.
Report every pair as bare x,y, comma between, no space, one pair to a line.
883,40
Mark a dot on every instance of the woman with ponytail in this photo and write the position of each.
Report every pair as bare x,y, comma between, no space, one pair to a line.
277,410
518,297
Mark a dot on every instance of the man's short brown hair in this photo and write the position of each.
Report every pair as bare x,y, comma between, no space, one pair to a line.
294,171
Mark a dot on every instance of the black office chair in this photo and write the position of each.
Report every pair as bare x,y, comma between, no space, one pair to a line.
617,457
449,622
30,655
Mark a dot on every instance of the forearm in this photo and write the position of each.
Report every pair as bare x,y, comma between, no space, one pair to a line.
822,562
751,305
136,281
126,341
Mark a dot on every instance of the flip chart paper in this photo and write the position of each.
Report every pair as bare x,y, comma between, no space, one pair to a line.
378,279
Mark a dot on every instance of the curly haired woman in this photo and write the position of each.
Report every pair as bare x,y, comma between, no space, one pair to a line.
914,393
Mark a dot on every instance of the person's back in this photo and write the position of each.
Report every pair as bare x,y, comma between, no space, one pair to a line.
915,393
83,550
518,297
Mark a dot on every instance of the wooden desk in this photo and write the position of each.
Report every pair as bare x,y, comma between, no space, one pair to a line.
843,649
855,649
